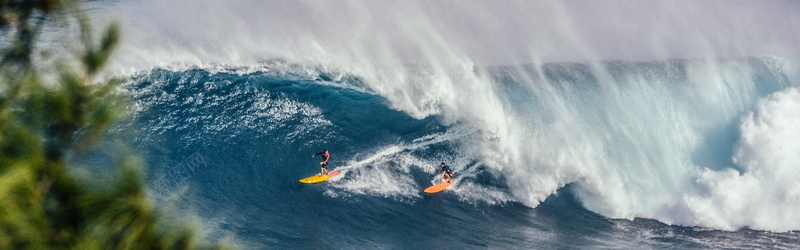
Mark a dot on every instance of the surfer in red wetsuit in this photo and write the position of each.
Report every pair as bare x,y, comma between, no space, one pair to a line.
324,162
446,173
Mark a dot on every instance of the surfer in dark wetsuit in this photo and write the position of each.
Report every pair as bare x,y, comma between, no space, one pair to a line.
324,162
446,173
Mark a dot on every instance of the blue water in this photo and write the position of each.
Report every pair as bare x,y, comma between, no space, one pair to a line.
232,144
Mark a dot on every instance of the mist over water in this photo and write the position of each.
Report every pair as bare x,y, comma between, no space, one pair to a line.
364,33
680,111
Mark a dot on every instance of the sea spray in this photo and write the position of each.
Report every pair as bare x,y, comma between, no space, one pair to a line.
766,194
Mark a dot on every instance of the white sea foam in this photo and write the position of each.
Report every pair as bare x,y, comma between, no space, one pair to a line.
386,172
766,194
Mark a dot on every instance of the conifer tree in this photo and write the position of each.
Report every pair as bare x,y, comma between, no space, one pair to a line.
51,113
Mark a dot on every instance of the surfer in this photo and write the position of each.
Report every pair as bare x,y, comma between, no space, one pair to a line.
446,173
324,162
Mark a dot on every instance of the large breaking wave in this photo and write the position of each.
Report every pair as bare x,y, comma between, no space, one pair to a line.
659,112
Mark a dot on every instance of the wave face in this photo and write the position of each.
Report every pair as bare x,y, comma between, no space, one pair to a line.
645,140
554,116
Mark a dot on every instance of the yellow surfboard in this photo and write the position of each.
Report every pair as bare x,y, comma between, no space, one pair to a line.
319,178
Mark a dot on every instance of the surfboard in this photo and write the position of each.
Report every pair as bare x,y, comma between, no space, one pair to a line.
319,178
438,187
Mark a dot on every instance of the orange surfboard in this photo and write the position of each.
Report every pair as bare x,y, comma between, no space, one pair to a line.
438,187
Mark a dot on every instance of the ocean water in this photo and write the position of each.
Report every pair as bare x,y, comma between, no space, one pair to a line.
234,144
566,125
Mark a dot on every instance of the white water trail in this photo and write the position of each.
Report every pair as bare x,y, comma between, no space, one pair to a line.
386,171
